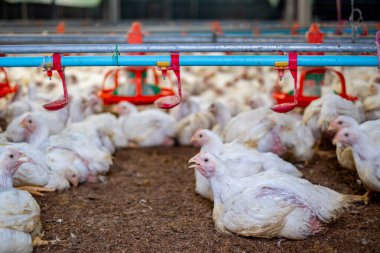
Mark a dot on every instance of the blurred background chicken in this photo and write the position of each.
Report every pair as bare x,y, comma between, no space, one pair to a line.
20,225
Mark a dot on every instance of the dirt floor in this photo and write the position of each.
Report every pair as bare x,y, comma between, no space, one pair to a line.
148,204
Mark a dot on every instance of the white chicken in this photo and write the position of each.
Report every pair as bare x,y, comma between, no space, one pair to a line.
124,108
98,161
258,100
371,107
90,159
19,105
189,125
36,172
242,160
70,165
268,131
34,127
344,152
366,156
20,225
221,114
187,107
148,128
77,107
268,204
321,112
109,129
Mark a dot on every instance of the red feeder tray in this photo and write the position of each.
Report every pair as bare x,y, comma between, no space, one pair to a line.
304,101
5,88
109,95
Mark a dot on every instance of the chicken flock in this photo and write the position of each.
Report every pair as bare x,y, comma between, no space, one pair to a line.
247,159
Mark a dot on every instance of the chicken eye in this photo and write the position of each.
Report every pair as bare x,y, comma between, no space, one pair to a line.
30,121
73,175
200,135
10,156
346,134
340,122
206,160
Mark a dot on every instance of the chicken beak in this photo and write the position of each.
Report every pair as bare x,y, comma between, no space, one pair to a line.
335,140
196,160
23,158
23,123
193,139
74,182
331,127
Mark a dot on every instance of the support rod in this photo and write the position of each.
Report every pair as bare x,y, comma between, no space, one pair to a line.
238,60
196,47
103,39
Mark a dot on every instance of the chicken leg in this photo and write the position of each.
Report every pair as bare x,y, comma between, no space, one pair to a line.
367,197
37,242
35,190
361,198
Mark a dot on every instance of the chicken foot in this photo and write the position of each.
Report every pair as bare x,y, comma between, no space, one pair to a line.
37,242
361,198
35,190
367,197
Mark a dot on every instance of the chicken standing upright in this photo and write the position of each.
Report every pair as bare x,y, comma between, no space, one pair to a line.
20,225
344,152
268,204
366,156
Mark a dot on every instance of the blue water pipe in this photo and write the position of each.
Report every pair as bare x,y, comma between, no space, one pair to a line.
198,60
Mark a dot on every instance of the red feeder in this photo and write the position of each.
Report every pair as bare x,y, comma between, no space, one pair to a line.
136,93
312,77
5,88
112,96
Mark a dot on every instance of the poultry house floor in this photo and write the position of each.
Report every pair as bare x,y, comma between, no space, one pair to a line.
147,204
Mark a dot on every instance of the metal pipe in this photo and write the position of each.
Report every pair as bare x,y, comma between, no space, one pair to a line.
103,39
236,60
196,47
166,31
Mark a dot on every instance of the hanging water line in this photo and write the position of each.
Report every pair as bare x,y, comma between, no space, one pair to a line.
193,60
